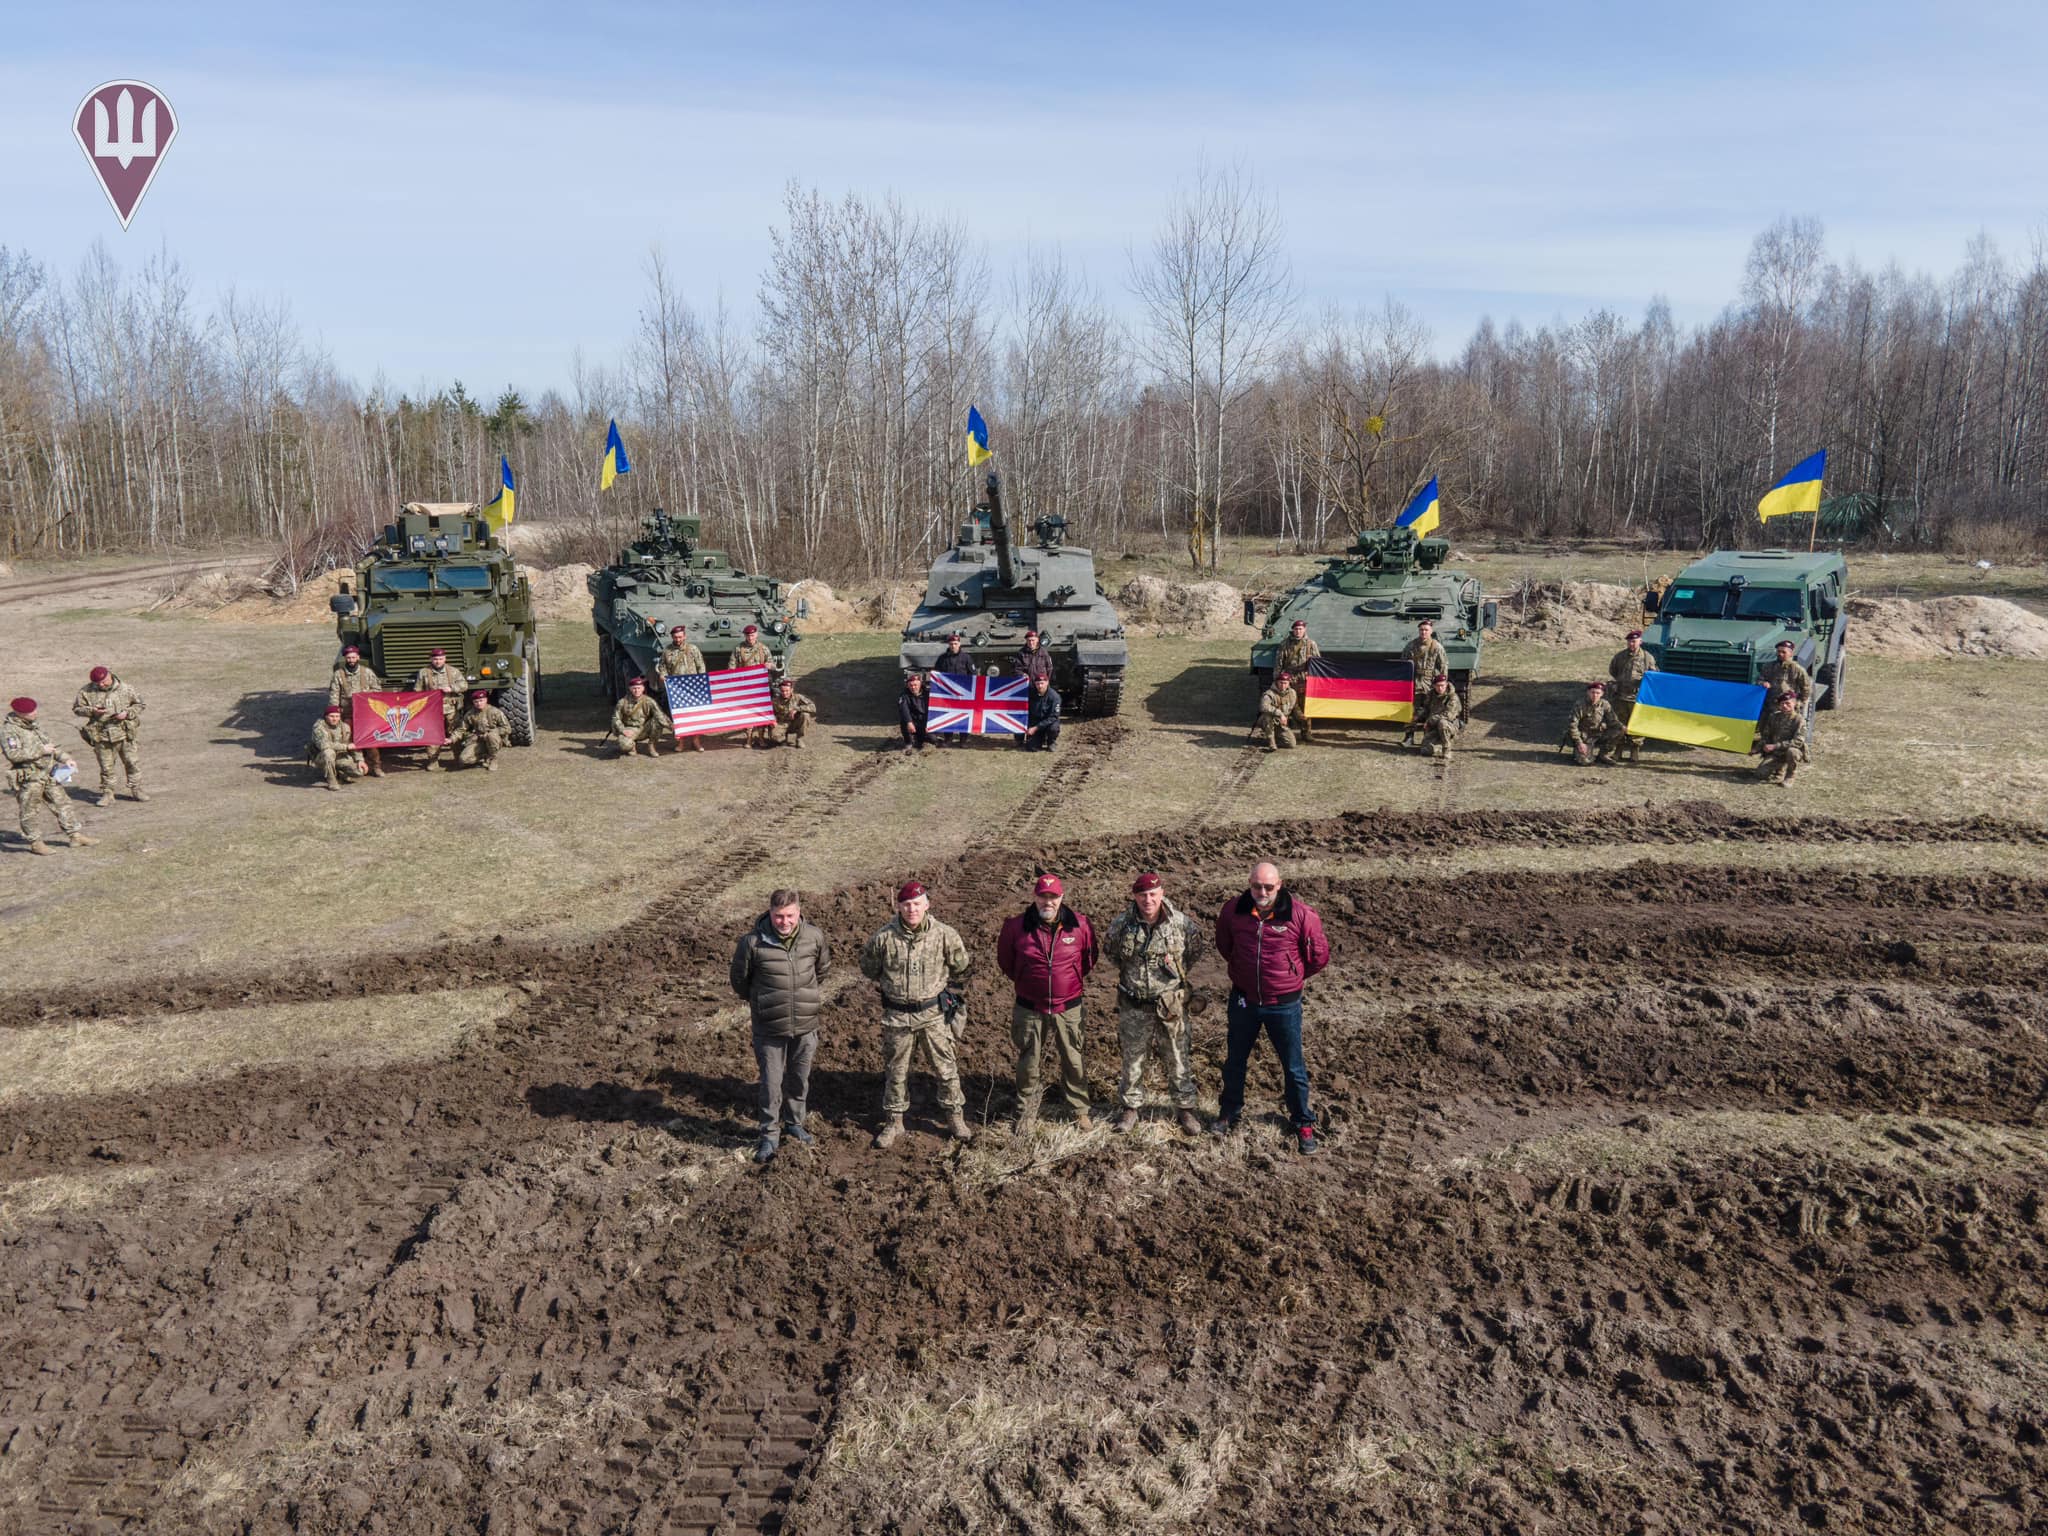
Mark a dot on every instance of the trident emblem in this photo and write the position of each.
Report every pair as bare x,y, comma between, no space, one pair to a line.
125,128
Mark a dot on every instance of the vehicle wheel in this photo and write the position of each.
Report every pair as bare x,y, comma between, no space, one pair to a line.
1831,679
1462,682
607,667
537,683
517,702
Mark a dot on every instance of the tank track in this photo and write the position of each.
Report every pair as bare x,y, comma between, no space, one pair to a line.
1102,692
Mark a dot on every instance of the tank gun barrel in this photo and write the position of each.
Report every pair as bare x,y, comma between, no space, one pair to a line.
999,530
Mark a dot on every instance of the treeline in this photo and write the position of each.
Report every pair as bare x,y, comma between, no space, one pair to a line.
1197,400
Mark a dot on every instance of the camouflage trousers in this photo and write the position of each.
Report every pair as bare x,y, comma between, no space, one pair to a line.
1270,726
1439,735
791,735
108,753
651,736
1604,745
1779,766
903,1034
476,748
1145,1029
449,715
1031,1032
43,793
332,764
1299,722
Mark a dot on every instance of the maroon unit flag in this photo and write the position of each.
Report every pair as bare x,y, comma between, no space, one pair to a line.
387,720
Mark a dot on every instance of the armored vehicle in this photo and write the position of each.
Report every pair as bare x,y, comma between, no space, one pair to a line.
438,576
1365,603
1724,615
663,579
992,592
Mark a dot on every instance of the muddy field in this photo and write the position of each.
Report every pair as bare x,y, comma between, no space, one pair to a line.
1677,1197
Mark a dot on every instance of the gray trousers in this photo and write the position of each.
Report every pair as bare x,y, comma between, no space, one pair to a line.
785,1062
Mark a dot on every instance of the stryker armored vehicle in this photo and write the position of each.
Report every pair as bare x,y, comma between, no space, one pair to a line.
992,592
1724,615
662,579
438,576
1365,603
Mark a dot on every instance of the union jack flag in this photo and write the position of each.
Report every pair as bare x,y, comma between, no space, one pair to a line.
977,706
700,703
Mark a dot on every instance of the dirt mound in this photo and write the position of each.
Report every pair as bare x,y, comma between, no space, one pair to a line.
1202,609
890,606
1924,630
830,613
1571,615
561,593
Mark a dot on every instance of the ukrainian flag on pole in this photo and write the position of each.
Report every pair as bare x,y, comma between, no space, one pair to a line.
498,510
1799,491
1421,513
977,439
615,463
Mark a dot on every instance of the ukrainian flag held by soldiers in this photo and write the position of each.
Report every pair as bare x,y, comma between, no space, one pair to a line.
1697,711
498,510
615,463
1422,511
977,439
1799,491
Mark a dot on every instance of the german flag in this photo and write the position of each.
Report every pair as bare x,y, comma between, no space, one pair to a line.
1359,690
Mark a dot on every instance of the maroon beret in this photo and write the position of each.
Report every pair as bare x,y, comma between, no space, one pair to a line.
1146,882
909,890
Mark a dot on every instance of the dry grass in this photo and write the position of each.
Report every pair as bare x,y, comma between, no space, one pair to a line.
36,1199
117,1056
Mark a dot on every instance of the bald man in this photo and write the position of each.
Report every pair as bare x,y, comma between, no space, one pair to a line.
1272,942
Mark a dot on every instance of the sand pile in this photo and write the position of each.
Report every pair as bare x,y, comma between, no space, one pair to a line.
561,594
1571,615
1909,630
830,614
1203,609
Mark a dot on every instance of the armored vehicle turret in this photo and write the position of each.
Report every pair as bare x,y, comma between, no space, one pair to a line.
992,591
1365,603
663,579
438,577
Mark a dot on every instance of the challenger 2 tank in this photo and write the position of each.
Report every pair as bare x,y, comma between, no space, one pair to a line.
1364,606
663,579
992,591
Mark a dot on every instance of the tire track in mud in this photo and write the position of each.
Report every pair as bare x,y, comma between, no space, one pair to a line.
1090,744
1231,788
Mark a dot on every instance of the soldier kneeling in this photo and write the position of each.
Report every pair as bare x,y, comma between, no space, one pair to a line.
333,751
1443,717
1276,706
1594,729
482,731
793,716
639,721
1781,740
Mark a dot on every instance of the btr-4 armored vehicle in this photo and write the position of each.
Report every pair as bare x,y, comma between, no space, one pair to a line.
1724,616
992,593
438,576
663,579
1365,603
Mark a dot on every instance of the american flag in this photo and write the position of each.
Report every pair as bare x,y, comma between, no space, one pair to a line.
702,702
979,706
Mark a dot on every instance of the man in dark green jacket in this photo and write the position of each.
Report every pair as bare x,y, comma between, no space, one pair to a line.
779,967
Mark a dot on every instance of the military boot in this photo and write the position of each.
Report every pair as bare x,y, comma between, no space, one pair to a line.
958,1126
106,796
696,743
330,784
141,796
1027,1117
37,845
890,1133
1126,1121
1190,1123
80,840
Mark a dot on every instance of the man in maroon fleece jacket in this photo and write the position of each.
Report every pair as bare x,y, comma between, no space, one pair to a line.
1272,941
1047,951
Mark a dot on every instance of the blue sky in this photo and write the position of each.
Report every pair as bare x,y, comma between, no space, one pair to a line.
451,190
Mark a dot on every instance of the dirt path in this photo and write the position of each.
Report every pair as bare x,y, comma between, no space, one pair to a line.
183,570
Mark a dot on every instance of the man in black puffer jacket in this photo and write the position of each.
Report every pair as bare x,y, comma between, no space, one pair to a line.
779,967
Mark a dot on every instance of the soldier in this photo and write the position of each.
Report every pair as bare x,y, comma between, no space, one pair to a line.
1154,945
332,749
913,710
1041,717
955,661
638,721
1032,662
1785,676
1627,669
1592,728
481,732
1276,707
750,652
793,716
32,762
1443,717
1047,951
919,964
351,678
112,712
1780,740
1428,658
1295,655
438,677
681,659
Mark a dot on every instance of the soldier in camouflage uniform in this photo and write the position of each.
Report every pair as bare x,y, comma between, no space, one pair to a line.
1593,728
1293,659
919,964
482,731
681,659
1443,717
1780,742
1429,660
438,677
332,749
1785,676
112,712
1153,944
750,652
350,679
32,761
1276,706
793,716
639,721
1627,669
